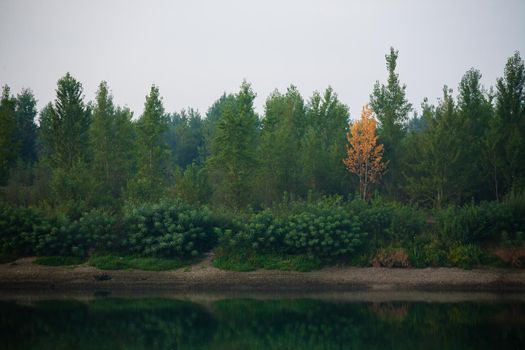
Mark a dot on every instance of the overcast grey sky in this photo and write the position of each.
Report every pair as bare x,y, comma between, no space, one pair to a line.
196,50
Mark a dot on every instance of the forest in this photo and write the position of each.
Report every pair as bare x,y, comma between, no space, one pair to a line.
298,187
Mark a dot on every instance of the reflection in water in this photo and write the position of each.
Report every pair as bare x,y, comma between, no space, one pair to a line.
108,323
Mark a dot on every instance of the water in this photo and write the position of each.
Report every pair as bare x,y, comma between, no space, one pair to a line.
246,323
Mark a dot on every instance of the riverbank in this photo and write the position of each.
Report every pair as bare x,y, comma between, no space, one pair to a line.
23,274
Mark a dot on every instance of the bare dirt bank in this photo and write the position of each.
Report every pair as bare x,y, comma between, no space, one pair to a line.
203,277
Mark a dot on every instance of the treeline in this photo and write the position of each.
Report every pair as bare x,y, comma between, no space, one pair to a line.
83,155
91,181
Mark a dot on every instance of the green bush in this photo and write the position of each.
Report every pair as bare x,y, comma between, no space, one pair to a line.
465,256
16,230
169,229
387,222
93,231
435,254
483,222
426,250
261,232
328,229
323,229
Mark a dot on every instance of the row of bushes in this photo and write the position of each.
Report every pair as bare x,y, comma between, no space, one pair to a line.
162,230
321,229
484,222
328,229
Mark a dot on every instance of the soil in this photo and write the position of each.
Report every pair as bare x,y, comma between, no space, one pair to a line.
24,275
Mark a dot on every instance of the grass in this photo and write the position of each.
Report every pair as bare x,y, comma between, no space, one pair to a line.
59,260
113,262
252,261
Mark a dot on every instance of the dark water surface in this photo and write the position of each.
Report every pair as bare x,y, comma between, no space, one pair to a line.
276,323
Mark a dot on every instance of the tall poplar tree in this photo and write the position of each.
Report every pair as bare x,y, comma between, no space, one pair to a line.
323,144
510,124
233,158
64,128
391,108
185,137
475,111
111,141
149,184
433,156
9,145
26,128
281,134
65,124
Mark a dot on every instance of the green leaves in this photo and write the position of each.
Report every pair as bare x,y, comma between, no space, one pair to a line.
391,107
323,229
169,229
152,151
64,125
93,231
233,145
484,222
9,146
111,143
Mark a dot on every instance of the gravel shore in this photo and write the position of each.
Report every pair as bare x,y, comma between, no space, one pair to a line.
203,277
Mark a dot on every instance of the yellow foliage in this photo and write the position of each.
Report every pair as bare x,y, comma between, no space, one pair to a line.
364,155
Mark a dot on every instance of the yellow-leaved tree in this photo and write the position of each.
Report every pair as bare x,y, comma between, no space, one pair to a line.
364,155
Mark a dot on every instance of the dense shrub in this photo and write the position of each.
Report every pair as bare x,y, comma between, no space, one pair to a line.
261,232
477,223
388,222
434,253
465,256
94,230
285,235
427,250
322,229
169,229
16,230
391,257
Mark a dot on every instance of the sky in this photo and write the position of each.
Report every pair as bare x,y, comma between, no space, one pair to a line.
196,50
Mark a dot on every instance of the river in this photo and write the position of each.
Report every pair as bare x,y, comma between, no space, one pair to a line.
354,320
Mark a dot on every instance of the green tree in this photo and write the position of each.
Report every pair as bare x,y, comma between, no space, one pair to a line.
475,111
191,184
281,134
64,125
433,155
509,124
210,123
64,129
23,145
233,150
111,141
323,145
26,128
152,151
9,145
185,137
391,108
